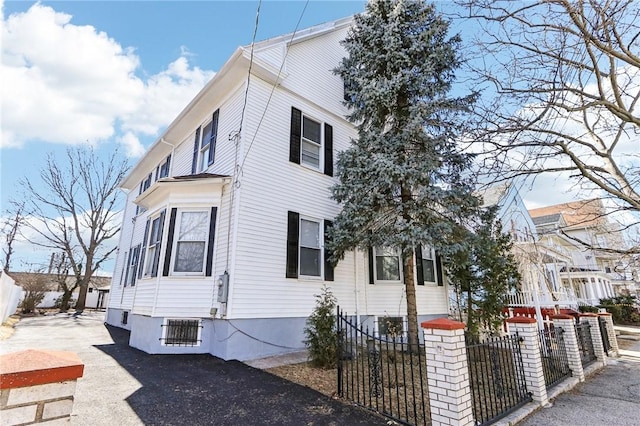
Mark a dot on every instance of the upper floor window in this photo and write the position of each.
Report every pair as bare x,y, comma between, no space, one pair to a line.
204,146
311,142
163,169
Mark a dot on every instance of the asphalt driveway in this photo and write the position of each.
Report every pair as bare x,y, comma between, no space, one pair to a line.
124,386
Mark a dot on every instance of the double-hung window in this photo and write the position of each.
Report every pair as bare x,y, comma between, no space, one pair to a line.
191,241
310,252
307,255
311,142
311,145
204,148
428,264
387,264
132,266
153,241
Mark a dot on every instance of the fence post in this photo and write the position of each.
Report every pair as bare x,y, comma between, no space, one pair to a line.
566,322
447,373
611,332
596,337
527,329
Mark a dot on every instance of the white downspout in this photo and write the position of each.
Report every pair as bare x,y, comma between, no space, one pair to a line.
355,285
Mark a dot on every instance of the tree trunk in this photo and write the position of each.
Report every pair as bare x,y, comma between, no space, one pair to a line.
412,310
66,297
82,297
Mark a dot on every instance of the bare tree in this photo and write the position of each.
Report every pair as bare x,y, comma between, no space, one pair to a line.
10,230
60,267
561,80
74,210
35,287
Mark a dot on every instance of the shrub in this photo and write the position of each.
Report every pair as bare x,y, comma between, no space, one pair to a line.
35,287
591,309
320,330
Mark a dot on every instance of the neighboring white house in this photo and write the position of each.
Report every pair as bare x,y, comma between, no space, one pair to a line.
97,291
222,242
592,273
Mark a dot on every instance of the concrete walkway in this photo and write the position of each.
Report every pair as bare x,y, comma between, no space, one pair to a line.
609,397
124,386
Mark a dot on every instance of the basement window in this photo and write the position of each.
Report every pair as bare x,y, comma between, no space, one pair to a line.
181,332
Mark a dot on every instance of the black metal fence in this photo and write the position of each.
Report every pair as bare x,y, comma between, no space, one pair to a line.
604,332
585,343
381,372
496,375
555,362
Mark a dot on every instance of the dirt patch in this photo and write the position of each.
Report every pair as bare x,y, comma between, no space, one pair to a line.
324,381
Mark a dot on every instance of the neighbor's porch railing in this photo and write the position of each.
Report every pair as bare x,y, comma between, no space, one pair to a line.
564,297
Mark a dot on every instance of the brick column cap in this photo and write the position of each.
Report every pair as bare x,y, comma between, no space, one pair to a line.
561,317
38,367
521,320
443,324
588,314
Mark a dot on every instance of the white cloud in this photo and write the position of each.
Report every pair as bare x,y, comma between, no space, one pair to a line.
68,84
132,145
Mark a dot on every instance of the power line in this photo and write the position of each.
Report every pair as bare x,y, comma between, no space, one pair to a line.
273,87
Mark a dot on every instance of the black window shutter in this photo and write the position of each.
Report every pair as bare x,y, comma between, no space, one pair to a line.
196,149
126,269
328,150
293,231
167,253
294,138
328,268
439,269
214,136
419,270
212,235
144,248
371,265
158,243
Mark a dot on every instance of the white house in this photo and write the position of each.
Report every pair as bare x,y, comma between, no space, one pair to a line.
222,243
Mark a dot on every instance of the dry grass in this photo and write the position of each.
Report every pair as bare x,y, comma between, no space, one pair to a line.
6,330
324,381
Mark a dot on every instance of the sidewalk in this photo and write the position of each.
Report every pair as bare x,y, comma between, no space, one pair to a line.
609,397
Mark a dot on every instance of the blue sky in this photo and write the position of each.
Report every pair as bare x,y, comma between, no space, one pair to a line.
115,73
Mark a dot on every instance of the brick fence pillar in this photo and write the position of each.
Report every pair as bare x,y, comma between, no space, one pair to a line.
527,329
596,337
566,323
611,332
447,373
37,386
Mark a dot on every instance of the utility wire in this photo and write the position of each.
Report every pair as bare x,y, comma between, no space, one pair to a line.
273,87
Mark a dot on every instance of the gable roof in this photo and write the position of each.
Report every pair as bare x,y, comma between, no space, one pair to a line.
576,214
232,73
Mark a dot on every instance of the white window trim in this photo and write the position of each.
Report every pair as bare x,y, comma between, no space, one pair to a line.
174,248
320,223
165,327
376,324
435,266
320,167
375,270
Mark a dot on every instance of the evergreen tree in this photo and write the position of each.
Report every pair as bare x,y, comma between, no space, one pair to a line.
483,272
404,181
